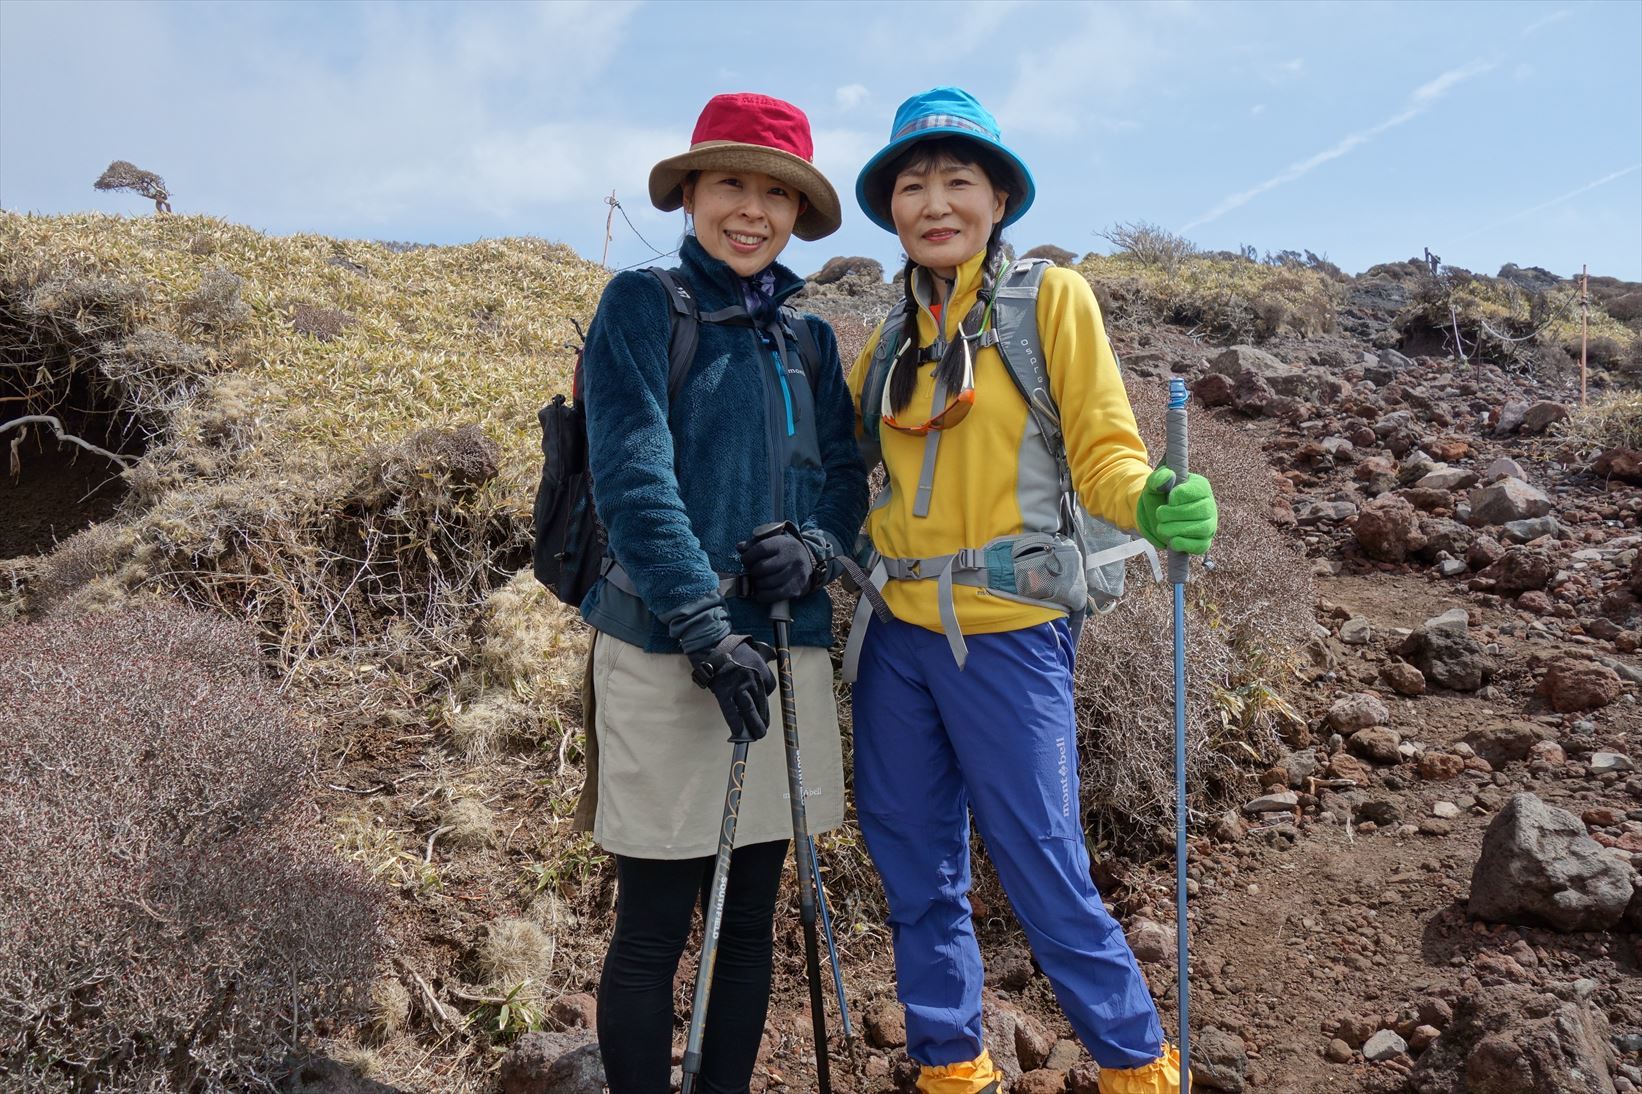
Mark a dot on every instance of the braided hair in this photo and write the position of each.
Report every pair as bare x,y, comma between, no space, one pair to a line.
940,151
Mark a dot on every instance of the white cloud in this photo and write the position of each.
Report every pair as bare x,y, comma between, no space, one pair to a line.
1545,20
1544,205
852,95
1257,109
1419,101
1060,85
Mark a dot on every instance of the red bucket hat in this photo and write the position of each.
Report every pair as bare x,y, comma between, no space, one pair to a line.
747,132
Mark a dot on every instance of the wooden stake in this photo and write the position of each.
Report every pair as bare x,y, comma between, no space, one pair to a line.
609,218
1584,323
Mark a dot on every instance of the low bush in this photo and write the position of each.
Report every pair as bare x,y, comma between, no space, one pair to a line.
168,917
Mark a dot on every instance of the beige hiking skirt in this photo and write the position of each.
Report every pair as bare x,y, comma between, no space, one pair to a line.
659,756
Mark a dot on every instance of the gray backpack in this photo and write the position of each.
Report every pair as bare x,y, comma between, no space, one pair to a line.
1081,564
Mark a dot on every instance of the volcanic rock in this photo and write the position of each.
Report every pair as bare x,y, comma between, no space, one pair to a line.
1353,712
1518,570
1515,1038
1389,529
1571,686
1540,868
1507,500
1542,415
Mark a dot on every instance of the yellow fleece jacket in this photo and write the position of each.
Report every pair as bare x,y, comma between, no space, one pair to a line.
974,489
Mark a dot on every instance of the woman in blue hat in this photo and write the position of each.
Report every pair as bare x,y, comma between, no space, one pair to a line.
963,701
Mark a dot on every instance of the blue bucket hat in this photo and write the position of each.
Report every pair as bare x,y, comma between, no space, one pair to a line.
942,112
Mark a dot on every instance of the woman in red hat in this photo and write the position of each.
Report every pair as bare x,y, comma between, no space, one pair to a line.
760,430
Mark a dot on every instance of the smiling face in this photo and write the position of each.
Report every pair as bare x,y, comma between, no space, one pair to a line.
742,218
944,212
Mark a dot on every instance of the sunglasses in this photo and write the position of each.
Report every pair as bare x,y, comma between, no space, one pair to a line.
958,407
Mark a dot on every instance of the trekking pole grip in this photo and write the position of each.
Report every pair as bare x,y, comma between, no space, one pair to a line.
1175,459
781,610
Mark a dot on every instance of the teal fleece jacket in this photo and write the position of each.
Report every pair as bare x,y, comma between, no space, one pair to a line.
748,441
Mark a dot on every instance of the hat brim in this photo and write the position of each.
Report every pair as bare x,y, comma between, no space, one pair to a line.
1022,192
821,217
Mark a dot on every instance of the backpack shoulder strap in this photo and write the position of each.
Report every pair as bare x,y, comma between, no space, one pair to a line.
872,388
685,334
1015,327
809,350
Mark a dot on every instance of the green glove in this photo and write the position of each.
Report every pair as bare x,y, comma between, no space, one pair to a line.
1180,519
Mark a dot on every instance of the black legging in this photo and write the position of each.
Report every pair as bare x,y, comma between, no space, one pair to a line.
655,907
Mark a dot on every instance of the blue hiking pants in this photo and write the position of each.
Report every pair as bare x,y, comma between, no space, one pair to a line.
933,742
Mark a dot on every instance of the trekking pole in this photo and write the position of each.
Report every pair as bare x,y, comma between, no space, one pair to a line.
832,956
803,849
715,911
1174,457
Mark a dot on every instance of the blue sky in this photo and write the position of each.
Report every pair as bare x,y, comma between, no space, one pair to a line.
1490,132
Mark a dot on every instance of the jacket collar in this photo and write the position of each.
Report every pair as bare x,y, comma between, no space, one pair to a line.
718,285
965,288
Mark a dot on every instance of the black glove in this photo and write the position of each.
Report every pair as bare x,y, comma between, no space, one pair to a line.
737,672
781,566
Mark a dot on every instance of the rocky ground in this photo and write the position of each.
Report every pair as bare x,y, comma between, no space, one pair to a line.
1436,889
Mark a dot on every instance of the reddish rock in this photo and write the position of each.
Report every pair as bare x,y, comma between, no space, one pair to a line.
1519,570
1448,449
1042,1081
1624,464
1377,744
1403,678
1441,766
1484,551
1602,817
1214,389
886,1025
1573,686
1537,602
1085,1078
1388,528
1033,1043
578,1010
1347,766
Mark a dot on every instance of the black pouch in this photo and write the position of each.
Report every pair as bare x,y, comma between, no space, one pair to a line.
570,541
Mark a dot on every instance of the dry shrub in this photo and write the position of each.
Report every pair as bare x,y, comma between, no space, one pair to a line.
1225,297
1060,256
471,823
166,903
1627,307
1244,618
1611,420
216,305
533,645
1149,244
321,323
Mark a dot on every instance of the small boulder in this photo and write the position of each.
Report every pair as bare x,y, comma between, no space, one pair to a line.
1504,468
1515,1038
1388,528
1150,940
1539,868
1220,1061
1215,389
1507,500
1448,657
1376,744
1349,713
1542,415
886,1025
1503,744
1440,766
553,1063
1571,686
1384,1045
1403,678
1519,570
1624,464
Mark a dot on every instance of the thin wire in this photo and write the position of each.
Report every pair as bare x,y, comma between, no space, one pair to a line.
636,232
1535,333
